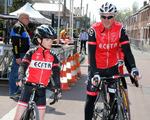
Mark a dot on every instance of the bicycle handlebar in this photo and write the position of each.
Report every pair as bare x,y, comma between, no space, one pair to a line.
119,76
116,76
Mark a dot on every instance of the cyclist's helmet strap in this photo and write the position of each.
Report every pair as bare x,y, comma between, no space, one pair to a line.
45,31
108,8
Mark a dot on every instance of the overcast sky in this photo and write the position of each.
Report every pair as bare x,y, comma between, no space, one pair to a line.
94,5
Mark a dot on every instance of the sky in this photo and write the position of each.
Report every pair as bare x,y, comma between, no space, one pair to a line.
94,5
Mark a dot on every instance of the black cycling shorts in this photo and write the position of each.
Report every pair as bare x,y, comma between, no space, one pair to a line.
40,96
103,73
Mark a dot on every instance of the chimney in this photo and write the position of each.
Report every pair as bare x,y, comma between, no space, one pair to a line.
145,3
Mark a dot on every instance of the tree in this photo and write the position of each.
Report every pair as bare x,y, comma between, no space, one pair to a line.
123,14
135,6
85,22
2,2
18,4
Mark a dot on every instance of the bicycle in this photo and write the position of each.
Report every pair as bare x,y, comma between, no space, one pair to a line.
118,107
31,111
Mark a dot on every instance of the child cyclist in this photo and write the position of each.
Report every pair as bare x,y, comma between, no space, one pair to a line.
37,66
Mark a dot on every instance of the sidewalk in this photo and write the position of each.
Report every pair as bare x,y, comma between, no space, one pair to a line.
139,97
147,47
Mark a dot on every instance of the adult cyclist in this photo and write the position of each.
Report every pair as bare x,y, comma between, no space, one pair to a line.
37,66
103,44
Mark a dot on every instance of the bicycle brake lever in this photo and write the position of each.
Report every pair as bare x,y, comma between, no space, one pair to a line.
136,81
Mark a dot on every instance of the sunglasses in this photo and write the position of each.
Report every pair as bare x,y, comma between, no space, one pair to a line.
108,17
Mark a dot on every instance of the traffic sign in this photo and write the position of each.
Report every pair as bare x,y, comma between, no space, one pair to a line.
10,2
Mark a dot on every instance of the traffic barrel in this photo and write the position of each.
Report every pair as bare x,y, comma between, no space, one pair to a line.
72,70
78,66
69,76
63,77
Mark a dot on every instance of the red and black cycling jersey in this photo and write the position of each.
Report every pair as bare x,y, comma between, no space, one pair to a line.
37,66
103,45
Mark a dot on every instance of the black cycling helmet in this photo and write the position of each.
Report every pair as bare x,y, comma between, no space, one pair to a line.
44,31
108,8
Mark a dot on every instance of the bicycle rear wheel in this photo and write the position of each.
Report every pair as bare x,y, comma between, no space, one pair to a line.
31,113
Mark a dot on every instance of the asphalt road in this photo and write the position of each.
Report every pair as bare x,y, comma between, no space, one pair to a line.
71,105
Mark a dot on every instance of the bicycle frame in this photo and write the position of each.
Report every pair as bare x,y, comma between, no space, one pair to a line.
118,103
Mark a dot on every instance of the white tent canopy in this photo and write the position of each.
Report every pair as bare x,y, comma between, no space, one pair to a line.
47,7
34,15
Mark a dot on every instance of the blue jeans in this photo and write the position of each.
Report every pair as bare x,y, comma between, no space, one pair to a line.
13,76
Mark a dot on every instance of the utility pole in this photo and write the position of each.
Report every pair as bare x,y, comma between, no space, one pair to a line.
5,10
64,14
58,22
81,17
86,17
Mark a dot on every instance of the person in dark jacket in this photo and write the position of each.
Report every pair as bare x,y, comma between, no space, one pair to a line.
20,42
74,34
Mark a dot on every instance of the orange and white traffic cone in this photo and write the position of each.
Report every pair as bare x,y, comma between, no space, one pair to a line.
69,76
75,66
63,77
78,66
72,70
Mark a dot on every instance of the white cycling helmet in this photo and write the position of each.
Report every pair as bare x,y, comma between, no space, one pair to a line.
108,8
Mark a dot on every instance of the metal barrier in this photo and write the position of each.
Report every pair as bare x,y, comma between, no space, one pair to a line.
138,44
5,61
63,51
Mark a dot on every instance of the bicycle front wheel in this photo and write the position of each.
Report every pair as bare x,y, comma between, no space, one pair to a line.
123,112
31,113
125,104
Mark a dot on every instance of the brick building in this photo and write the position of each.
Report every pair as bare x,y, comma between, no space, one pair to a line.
138,25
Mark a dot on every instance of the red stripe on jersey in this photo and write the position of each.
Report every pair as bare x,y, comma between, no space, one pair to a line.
55,64
91,43
26,60
92,93
125,42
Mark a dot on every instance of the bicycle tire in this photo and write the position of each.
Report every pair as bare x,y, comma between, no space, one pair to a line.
31,114
120,115
122,109
125,104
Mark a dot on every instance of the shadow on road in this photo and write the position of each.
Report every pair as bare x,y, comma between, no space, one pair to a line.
52,110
